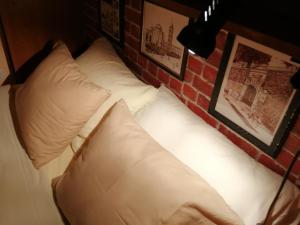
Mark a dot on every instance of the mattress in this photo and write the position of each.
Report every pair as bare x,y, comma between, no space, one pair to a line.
25,193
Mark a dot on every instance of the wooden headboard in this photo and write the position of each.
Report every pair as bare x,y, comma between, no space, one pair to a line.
30,24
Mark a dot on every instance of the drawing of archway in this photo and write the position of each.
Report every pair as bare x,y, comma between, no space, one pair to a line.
249,95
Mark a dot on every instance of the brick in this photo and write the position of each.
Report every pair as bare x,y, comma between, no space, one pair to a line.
201,113
134,67
293,178
234,138
215,58
133,42
202,86
271,164
248,148
150,79
181,98
189,92
221,40
195,65
284,158
188,76
142,61
136,4
175,85
131,53
163,77
296,168
197,110
127,26
210,74
92,33
152,68
135,31
229,134
296,127
211,120
292,143
133,16
202,101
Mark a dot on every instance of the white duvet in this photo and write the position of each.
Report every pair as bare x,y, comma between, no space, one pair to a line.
25,193
247,186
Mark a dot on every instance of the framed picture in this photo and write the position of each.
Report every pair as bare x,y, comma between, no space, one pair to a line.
253,95
160,28
112,19
5,70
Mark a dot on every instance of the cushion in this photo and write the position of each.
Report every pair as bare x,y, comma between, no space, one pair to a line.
122,176
25,192
105,68
53,105
247,186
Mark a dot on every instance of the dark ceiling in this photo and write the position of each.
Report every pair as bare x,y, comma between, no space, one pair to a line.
280,19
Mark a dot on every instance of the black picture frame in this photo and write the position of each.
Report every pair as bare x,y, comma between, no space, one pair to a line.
253,95
167,52
111,16
6,68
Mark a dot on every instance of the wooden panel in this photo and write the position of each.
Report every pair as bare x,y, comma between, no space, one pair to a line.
29,24
179,7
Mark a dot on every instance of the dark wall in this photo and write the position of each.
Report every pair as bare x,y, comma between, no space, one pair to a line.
29,24
280,19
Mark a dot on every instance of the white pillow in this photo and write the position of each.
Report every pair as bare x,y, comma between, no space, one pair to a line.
123,176
247,186
104,67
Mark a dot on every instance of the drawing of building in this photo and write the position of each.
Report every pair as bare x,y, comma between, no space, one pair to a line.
110,17
253,92
156,43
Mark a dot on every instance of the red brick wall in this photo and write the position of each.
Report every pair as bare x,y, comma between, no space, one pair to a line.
91,19
196,89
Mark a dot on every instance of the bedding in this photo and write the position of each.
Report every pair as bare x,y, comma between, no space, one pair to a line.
227,173
25,193
247,186
122,176
104,67
53,104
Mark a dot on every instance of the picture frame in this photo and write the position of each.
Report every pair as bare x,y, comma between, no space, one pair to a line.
112,20
253,95
159,30
5,64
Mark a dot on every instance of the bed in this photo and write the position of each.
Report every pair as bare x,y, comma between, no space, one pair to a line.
162,169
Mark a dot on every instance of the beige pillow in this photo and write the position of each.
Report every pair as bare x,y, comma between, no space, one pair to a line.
53,105
204,149
122,176
104,67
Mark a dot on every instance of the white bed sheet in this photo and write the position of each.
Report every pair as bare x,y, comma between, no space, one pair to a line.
247,186
25,193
